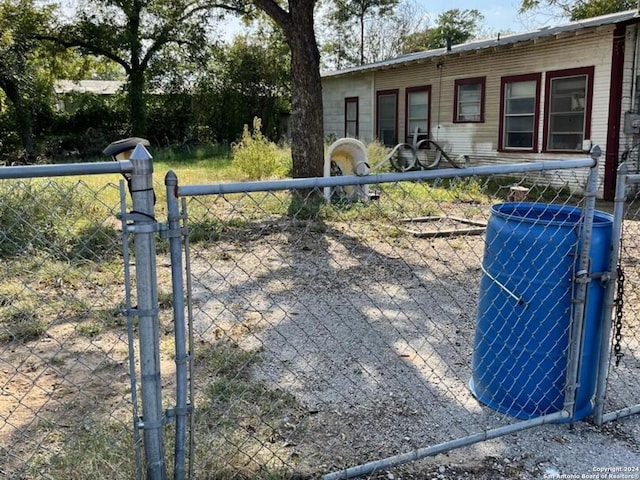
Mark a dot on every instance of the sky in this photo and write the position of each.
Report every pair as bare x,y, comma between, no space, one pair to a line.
499,16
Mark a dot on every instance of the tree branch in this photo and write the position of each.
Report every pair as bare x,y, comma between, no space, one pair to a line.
76,42
163,37
277,13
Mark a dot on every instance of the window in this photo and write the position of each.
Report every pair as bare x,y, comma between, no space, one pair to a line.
568,109
417,113
387,117
468,104
519,112
351,117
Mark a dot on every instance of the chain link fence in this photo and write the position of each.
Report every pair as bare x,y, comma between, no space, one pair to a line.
370,334
65,391
619,387
293,337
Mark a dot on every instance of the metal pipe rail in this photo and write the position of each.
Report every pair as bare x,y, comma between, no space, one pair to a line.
424,452
339,181
65,170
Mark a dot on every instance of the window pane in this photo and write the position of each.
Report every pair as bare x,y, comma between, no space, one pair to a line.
565,141
351,129
417,113
519,118
520,105
387,110
521,89
566,117
387,119
418,105
471,117
469,109
352,110
469,102
520,140
421,125
469,93
568,85
519,124
418,99
567,123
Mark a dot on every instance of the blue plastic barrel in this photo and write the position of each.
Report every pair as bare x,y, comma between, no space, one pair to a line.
524,313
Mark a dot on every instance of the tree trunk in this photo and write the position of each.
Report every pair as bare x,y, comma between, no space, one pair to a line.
307,132
138,112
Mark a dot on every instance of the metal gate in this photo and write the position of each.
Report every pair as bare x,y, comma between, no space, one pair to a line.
340,339
281,336
620,358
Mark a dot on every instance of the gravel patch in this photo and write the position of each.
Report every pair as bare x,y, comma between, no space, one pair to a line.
373,334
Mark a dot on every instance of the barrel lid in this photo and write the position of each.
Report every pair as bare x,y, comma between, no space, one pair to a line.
546,213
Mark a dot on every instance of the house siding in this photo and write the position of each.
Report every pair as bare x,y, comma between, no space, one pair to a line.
582,48
628,143
334,92
481,139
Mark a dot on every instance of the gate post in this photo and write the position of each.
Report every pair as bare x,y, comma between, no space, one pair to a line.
182,409
581,279
607,312
144,229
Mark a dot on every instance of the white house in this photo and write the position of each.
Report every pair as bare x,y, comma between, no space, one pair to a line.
65,88
547,94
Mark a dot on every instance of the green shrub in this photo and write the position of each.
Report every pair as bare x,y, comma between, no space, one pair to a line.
94,242
29,216
376,152
257,158
55,217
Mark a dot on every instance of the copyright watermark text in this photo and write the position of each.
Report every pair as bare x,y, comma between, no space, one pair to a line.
599,473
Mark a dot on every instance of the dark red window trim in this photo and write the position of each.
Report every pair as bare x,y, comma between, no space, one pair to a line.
537,77
380,93
347,101
409,90
571,72
469,81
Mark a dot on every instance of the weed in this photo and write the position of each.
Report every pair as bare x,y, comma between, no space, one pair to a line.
207,230
305,207
112,317
21,323
89,329
94,450
40,214
57,361
240,410
257,158
10,292
53,273
376,152
95,242
165,300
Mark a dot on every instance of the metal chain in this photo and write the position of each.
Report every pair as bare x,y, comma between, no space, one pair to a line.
619,302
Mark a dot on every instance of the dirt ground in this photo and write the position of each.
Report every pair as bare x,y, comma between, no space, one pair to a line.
374,336
370,330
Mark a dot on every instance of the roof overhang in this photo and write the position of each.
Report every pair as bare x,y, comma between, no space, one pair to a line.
516,40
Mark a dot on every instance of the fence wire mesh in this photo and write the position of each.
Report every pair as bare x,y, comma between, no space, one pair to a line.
624,366
65,392
328,335
325,335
